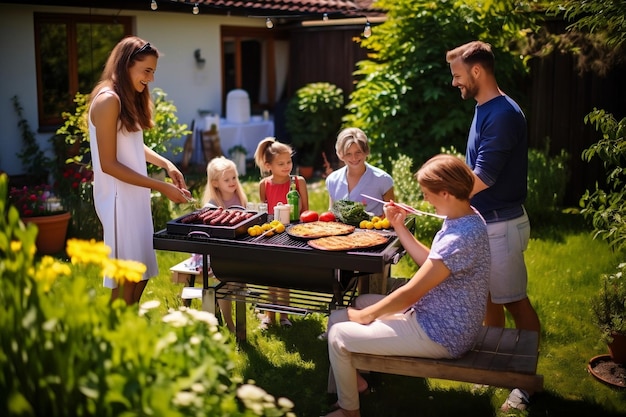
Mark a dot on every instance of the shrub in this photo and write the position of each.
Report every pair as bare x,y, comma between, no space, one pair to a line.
606,206
547,180
65,351
609,304
312,118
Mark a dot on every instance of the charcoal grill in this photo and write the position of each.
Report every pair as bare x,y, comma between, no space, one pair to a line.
281,261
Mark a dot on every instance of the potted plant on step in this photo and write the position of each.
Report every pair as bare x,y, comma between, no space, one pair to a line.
313,117
609,312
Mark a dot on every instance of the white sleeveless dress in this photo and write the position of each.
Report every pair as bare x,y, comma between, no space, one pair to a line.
124,209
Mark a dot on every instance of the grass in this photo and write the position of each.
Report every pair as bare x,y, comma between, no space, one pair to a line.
564,266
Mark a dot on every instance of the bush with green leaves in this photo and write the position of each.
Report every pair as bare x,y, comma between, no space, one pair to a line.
404,99
609,304
65,351
606,205
312,118
547,181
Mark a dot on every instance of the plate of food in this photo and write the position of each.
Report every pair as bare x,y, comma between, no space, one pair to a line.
318,229
356,240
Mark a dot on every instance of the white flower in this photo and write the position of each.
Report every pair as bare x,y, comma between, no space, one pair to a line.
197,387
250,392
184,398
176,319
169,339
194,340
218,336
204,316
147,306
285,403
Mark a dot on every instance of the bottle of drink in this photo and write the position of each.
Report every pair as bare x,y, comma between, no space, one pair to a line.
293,198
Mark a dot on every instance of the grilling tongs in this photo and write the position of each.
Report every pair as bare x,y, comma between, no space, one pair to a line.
406,207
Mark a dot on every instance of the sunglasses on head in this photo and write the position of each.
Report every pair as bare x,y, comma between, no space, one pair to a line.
145,48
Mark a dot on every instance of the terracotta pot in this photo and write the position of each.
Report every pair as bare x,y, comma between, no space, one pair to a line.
52,232
306,172
617,348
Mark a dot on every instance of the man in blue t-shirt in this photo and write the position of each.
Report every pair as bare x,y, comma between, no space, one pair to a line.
497,152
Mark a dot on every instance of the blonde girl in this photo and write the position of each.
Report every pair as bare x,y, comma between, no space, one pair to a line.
223,188
274,160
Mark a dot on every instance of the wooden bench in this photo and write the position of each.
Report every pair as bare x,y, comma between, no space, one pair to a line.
501,357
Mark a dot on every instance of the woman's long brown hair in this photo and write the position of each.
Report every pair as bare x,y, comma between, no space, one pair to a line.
136,108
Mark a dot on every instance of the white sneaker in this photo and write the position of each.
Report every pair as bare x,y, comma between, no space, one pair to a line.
265,323
518,399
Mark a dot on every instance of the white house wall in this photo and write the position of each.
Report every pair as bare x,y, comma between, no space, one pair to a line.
177,36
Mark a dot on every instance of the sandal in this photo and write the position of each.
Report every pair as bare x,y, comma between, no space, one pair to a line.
285,323
518,399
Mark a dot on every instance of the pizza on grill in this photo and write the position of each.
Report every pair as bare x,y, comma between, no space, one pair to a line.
357,240
314,230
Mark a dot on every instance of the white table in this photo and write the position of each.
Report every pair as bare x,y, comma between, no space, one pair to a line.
247,135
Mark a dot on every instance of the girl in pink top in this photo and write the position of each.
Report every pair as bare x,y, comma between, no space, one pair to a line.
274,160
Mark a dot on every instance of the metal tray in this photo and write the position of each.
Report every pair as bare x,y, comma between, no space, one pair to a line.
177,227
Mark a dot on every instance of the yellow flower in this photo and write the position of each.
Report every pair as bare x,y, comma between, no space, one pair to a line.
16,245
48,270
87,251
123,270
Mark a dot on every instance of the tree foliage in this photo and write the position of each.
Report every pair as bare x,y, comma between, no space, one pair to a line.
404,100
606,206
595,35
603,18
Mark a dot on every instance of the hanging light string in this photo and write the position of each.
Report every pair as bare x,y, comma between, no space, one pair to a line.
269,23
367,30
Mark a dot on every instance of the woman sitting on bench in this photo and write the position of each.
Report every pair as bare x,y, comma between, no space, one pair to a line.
440,311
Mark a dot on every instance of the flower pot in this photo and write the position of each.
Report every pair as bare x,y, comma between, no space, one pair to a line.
306,172
617,348
52,232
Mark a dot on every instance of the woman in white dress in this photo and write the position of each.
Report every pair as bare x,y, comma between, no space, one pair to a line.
120,109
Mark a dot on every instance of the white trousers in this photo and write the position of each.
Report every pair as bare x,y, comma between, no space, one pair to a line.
394,335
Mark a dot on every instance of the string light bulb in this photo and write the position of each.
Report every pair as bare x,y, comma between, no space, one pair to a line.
367,30
268,23
325,17
154,5
196,9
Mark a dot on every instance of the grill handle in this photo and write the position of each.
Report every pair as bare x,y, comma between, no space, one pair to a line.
396,258
198,233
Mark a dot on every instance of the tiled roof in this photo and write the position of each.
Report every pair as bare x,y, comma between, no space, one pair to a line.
287,8
294,7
